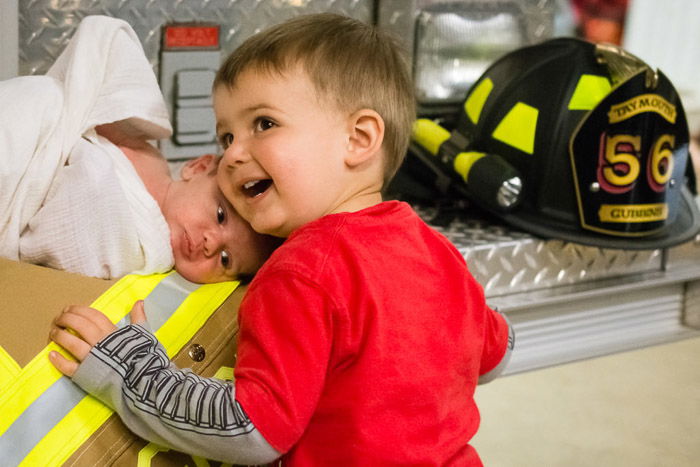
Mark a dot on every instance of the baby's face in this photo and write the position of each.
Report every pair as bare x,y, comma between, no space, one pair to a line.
210,241
283,162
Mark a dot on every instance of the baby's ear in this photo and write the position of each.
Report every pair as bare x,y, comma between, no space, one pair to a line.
205,163
366,137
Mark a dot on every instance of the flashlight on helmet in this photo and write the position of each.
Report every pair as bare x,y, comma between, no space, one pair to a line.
488,178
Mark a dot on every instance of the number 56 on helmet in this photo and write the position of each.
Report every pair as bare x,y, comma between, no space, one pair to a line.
576,141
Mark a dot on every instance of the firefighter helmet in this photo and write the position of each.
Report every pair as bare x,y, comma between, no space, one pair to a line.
599,138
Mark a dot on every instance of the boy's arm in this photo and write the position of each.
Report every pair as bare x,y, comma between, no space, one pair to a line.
130,371
498,321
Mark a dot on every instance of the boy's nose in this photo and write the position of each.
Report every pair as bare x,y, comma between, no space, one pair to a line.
235,153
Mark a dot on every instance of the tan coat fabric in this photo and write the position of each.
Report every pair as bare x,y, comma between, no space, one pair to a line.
34,295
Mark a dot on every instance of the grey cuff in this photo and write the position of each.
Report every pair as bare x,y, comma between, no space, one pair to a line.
498,370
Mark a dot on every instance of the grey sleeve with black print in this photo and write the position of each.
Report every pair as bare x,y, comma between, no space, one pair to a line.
498,370
130,371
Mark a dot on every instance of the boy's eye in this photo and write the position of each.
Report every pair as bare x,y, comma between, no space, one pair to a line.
220,215
225,260
262,124
226,140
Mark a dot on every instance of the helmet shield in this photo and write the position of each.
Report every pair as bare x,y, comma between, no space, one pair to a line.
629,156
600,139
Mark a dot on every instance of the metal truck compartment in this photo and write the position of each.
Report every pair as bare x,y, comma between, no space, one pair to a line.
569,301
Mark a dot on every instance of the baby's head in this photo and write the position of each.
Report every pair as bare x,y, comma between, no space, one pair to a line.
210,241
352,65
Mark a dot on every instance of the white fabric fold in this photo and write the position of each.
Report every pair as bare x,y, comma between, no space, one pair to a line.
101,77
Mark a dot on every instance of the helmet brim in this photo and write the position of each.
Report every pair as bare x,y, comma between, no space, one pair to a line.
683,228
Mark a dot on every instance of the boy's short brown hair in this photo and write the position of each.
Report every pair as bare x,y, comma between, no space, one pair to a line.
354,64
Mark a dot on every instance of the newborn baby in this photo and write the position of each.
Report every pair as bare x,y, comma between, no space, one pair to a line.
141,219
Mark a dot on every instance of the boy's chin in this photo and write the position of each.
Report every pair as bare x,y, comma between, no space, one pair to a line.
273,228
272,232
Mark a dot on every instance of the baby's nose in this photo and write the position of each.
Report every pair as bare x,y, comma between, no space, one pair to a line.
214,241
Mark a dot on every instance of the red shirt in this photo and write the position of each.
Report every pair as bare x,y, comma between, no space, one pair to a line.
361,342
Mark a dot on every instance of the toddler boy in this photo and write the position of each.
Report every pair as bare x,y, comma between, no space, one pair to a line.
363,337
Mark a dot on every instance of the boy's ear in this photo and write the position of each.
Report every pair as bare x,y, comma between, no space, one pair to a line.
366,136
201,164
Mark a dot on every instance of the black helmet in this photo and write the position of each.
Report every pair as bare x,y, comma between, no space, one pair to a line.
596,141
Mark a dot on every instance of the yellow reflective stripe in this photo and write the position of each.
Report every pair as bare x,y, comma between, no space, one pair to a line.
191,315
9,368
147,454
429,135
225,373
518,128
90,414
39,374
28,385
66,436
151,450
117,301
464,161
590,90
476,100
200,461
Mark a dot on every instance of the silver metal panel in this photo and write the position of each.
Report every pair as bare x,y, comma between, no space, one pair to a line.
570,302
691,306
591,326
46,25
506,261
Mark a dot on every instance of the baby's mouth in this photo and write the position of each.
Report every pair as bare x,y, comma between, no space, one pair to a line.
255,188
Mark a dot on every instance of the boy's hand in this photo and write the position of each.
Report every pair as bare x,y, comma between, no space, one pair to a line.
90,327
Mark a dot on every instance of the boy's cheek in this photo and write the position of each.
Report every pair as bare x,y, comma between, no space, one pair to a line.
225,185
239,205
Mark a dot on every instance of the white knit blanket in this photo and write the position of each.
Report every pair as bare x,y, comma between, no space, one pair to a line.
58,207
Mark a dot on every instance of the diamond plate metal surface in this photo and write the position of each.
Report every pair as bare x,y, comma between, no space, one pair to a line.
47,25
507,261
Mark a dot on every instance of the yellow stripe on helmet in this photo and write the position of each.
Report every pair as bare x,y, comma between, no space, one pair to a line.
518,128
477,99
590,90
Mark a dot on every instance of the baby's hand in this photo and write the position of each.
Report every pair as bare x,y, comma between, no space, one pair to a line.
90,327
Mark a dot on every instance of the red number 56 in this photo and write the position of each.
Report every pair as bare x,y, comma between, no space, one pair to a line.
619,165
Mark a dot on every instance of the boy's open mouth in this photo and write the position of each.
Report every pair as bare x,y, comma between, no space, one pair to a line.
255,188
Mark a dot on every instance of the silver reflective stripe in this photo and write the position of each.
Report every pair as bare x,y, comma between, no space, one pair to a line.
164,299
62,396
47,410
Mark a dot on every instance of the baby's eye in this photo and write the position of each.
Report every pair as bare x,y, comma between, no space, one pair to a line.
226,140
220,215
225,260
263,124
